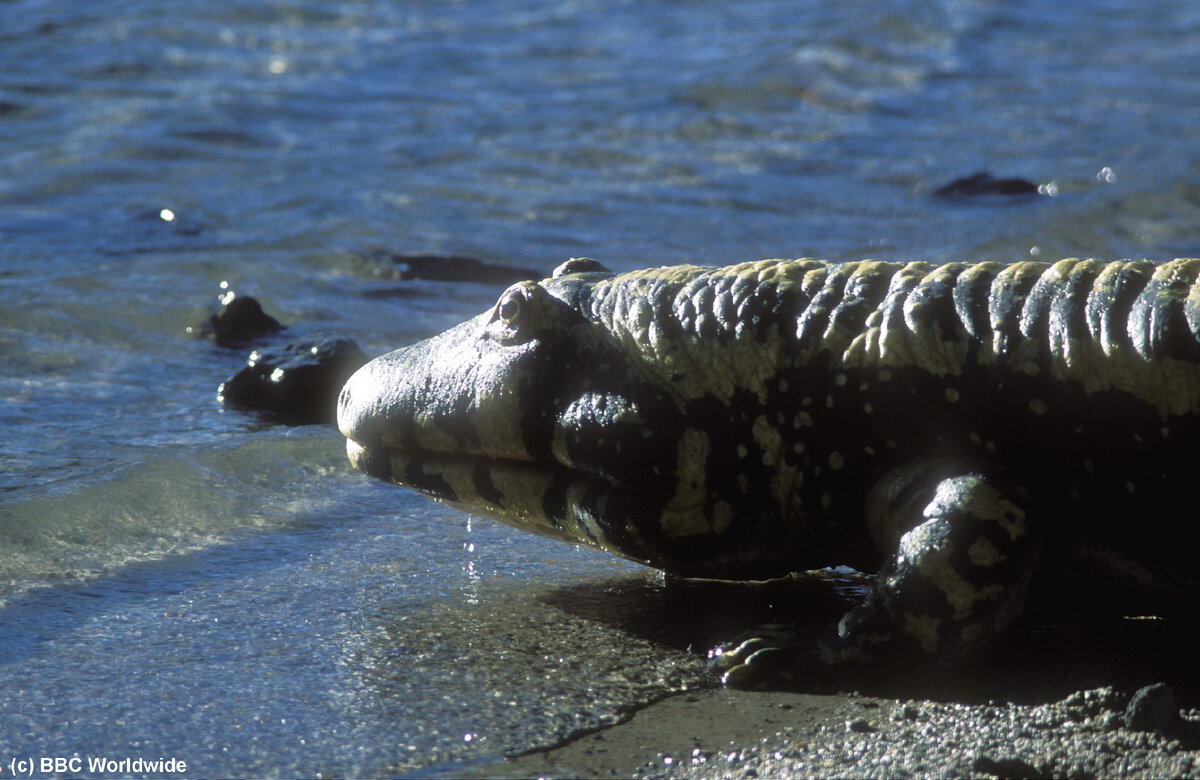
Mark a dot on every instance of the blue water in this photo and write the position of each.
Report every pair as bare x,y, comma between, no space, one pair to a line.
180,580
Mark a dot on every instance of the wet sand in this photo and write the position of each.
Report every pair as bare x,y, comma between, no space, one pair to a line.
1098,698
725,733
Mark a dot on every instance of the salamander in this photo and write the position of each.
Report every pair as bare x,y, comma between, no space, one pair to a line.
975,435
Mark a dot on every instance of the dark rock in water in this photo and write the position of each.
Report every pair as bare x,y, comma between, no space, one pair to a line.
1152,708
238,323
460,269
297,383
984,184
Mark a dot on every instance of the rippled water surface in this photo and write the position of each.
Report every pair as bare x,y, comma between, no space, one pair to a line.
180,580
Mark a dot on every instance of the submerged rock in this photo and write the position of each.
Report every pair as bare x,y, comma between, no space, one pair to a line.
448,268
298,383
238,323
983,185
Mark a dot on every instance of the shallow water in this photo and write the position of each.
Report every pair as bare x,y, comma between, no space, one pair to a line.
185,581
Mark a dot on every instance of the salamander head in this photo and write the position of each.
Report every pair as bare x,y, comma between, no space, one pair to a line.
528,413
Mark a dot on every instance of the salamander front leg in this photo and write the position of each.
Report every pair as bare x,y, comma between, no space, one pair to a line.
961,555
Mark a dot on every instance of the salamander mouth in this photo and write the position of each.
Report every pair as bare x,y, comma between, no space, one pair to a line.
547,498
417,468
374,462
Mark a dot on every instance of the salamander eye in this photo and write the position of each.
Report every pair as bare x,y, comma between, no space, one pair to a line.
511,306
521,311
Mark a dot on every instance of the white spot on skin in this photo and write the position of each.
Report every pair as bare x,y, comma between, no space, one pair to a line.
683,515
1038,406
826,500
836,461
768,440
840,380
983,553
924,629
951,395
1130,487
867,408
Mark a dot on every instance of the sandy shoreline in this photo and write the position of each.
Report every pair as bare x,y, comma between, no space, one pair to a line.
724,733
608,679
1104,699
